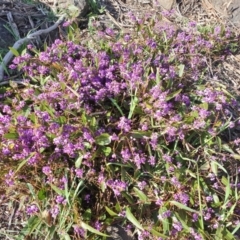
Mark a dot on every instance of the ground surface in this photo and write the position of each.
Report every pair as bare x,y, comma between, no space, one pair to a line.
28,16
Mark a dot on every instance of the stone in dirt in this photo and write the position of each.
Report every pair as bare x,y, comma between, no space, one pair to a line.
81,5
166,4
118,233
230,9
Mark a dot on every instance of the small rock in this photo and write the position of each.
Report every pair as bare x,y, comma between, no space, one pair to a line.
81,5
118,233
229,9
166,4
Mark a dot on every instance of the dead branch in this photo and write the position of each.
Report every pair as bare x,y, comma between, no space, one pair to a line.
8,57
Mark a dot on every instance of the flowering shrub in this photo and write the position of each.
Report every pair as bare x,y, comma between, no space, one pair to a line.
131,129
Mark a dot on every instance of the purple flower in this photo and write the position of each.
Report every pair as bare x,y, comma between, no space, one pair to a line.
152,160
144,235
167,158
117,186
80,232
195,217
207,216
159,202
127,37
31,210
209,198
139,159
60,200
109,31
46,170
87,198
182,198
177,226
79,173
195,235
142,185
175,182
122,214
97,225
231,124
9,178
217,30
126,154
124,124
154,140
67,23
55,211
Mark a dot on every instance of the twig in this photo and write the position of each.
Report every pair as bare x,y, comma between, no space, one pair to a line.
13,25
7,58
120,25
38,40
20,82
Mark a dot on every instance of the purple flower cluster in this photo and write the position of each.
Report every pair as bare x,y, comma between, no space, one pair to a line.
135,111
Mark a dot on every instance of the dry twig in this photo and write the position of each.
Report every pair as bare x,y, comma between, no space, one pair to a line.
8,57
13,25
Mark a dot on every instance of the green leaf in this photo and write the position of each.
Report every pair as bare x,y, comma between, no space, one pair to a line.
172,95
221,167
114,102
182,217
62,120
91,229
118,164
31,225
227,148
73,11
128,197
226,182
111,212
87,215
141,195
204,105
12,135
191,173
157,76
31,190
66,236
84,118
236,229
181,70
103,140
14,51
214,167
103,186
140,134
219,142
73,91
133,104
13,84
236,156
42,194
165,222
216,198
182,206
57,190
78,162
227,235
156,233
132,219
23,163
93,122
106,151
